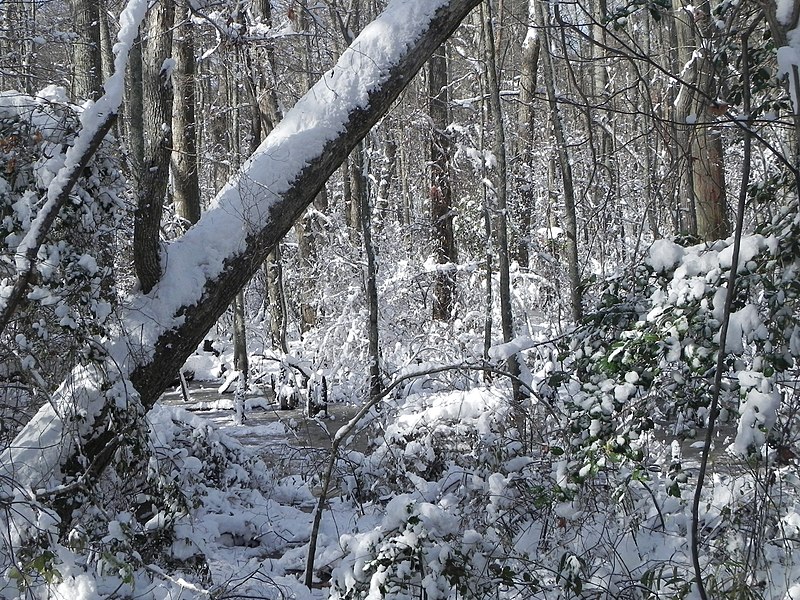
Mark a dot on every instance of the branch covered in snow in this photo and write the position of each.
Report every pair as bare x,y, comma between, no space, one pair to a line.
96,122
204,270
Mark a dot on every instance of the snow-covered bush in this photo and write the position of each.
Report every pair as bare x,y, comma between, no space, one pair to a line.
455,478
64,316
137,528
648,355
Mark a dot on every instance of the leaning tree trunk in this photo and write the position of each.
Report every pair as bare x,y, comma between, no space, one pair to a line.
246,221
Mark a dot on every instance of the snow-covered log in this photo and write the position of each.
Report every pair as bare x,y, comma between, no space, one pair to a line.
203,270
215,258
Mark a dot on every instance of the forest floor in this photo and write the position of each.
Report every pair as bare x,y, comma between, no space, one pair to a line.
258,548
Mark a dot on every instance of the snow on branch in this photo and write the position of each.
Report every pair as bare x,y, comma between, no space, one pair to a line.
96,121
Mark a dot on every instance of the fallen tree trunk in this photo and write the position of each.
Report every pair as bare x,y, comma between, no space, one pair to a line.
203,270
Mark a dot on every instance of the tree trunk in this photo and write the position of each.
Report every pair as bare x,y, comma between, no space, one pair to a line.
86,51
165,327
388,170
526,125
154,174
705,176
371,274
305,227
134,111
570,216
264,98
501,203
441,192
277,300
185,183
240,360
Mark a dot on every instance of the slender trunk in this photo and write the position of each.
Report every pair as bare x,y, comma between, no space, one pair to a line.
277,300
154,174
240,360
371,275
488,313
501,200
441,191
264,118
388,170
528,80
570,216
186,186
305,227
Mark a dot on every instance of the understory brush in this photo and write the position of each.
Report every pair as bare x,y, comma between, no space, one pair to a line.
456,507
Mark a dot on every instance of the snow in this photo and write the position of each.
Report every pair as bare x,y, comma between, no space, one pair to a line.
783,11
509,349
243,206
789,61
468,494
758,414
664,255
33,461
750,247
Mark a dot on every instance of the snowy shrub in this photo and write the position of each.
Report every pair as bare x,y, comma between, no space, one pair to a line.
135,528
453,533
649,353
420,549
67,311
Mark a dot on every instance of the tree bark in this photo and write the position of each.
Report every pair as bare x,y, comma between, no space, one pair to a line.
134,111
305,227
388,170
240,360
371,277
86,51
265,116
277,300
444,245
185,182
154,173
704,181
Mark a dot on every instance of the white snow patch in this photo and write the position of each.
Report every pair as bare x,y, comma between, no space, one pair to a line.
664,255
